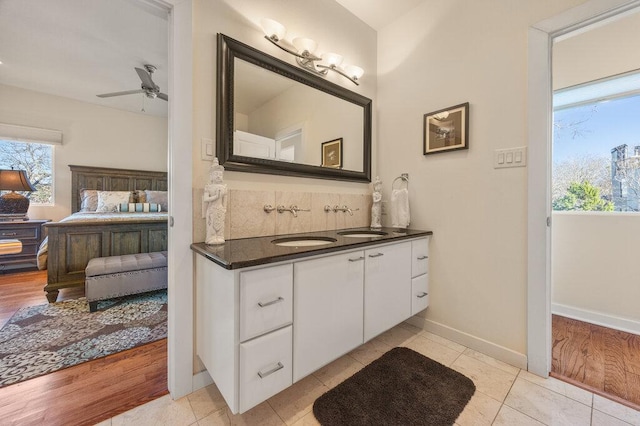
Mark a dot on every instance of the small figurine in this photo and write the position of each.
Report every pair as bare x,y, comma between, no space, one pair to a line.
376,208
215,201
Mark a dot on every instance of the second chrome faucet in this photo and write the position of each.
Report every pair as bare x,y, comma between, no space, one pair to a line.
292,208
337,208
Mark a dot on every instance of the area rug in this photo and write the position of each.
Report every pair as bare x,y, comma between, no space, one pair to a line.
402,387
41,339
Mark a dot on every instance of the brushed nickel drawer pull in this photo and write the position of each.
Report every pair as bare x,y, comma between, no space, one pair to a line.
278,366
9,234
356,259
376,255
423,257
421,295
278,300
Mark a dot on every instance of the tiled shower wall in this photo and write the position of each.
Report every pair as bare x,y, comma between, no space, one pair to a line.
246,216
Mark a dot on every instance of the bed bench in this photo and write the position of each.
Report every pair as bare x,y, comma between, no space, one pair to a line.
117,276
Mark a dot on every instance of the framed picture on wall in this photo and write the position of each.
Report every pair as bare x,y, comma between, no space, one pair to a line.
446,129
332,154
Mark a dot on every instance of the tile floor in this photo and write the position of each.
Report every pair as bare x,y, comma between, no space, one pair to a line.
505,395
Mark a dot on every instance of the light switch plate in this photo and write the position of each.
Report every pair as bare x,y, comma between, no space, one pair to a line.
512,157
206,149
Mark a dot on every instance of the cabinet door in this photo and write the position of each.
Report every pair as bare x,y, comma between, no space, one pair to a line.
387,290
419,293
328,310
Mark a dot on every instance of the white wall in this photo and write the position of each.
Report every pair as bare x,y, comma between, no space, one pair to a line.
594,272
605,50
443,53
92,135
325,21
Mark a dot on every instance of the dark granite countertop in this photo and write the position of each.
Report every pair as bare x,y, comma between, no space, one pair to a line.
234,254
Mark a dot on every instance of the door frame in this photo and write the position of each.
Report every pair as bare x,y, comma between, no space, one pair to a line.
539,98
180,340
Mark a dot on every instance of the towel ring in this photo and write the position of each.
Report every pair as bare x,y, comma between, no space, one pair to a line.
404,177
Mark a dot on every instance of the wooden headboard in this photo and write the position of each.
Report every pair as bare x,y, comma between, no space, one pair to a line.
107,179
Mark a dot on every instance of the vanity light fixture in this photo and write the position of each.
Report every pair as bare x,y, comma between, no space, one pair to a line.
305,56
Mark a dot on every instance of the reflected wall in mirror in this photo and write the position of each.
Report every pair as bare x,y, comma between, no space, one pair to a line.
273,118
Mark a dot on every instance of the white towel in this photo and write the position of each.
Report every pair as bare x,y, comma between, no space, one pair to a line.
400,216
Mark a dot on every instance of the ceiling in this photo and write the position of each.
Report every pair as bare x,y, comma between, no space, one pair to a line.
78,51
379,13
64,49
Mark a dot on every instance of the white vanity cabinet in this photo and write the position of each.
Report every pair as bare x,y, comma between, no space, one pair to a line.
259,329
387,287
328,310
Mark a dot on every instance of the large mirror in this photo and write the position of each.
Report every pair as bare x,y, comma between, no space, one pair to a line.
275,118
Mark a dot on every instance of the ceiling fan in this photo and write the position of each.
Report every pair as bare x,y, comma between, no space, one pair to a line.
148,87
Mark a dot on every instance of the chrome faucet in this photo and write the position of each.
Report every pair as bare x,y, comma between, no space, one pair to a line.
292,208
344,209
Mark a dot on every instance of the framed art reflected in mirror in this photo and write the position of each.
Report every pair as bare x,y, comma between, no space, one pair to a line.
332,154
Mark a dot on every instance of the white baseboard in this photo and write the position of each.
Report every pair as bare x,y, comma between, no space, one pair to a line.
472,342
201,380
597,318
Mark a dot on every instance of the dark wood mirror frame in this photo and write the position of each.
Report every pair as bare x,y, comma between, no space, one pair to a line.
228,50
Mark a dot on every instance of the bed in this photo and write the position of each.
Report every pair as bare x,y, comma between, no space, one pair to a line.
75,240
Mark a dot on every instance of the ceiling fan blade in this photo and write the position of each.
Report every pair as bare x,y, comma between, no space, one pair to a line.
163,96
128,92
146,78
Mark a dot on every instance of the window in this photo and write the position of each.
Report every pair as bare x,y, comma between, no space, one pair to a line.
596,147
37,160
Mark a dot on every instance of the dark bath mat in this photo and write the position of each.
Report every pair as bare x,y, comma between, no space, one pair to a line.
401,387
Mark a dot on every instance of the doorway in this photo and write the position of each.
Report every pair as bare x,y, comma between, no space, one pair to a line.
541,37
175,127
595,213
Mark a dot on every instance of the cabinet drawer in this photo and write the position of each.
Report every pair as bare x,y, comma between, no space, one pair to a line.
265,367
419,257
266,300
19,233
419,293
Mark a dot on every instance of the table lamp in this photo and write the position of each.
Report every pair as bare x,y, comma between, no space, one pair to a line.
14,206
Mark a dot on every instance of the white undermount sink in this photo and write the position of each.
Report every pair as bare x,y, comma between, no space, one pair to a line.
362,234
303,241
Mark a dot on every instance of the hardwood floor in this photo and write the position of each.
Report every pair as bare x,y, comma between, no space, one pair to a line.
84,394
599,359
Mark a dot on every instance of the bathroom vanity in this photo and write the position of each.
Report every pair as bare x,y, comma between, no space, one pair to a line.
272,310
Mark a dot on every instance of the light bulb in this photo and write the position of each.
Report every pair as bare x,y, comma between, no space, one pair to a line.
303,44
273,29
353,71
333,59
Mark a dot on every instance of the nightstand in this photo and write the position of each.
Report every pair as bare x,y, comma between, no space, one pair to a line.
29,232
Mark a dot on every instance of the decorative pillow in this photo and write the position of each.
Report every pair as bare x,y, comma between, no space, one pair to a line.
108,200
139,207
139,196
158,197
88,200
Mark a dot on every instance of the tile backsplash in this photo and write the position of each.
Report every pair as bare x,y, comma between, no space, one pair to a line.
248,219
246,216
